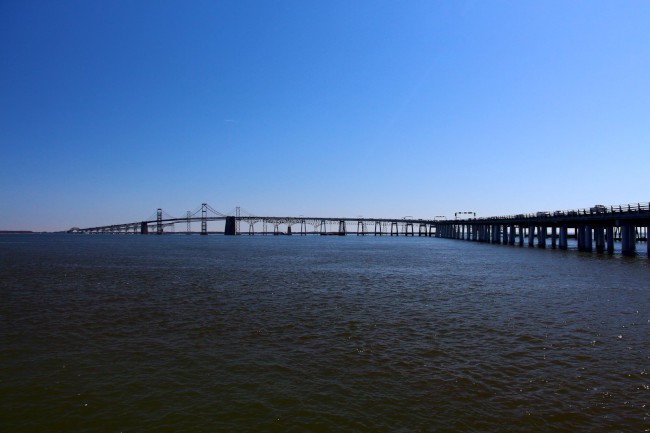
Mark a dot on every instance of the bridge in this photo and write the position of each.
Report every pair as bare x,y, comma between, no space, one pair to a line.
597,228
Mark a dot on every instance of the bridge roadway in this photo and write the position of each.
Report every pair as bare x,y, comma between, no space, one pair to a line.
596,228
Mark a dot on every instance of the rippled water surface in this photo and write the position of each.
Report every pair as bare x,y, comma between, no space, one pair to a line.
190,333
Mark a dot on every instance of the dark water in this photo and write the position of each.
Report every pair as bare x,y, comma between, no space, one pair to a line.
201,334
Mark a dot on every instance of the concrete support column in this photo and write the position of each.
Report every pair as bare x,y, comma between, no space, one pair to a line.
512,234
628,239
599,235
609,238
588,239
230,229
531,235
563,237
553,237
521,235
580,232
541,237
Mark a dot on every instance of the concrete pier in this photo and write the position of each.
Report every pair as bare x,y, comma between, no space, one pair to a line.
609,238
563,237
553,237
628,239
230,229
580,235
541,237
588,239
599,235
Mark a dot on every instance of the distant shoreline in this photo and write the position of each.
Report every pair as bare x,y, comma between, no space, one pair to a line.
4,232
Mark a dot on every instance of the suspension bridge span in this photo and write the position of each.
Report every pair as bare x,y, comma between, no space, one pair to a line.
597,228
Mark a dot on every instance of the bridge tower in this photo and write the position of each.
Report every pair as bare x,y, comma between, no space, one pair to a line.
189,229
204,219
237,219
159,227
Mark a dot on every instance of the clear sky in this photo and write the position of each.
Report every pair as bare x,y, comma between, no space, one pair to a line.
111,109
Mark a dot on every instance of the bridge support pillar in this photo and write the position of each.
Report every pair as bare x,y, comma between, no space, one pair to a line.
628,239
496,234
580,237
554,237
609,238
521,230
541,237
230,229
531,235
647,239
341,228
144,228
563,237
588,239
599,237
512,235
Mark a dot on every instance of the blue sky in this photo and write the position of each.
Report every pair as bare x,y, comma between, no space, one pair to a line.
111,109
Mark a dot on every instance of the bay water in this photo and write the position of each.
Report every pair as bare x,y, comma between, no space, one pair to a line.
130,333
